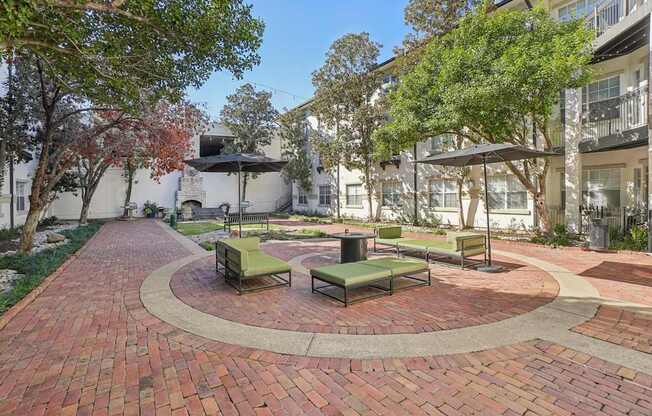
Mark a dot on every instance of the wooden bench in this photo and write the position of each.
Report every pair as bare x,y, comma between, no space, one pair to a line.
199,213
233,218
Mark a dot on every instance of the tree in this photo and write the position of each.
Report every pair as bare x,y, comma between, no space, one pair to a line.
251,117
494,79
349,102
159,141
59,116
16,131
294,142
428,18
113,51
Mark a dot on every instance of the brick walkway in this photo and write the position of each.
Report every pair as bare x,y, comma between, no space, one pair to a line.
87,346
456,298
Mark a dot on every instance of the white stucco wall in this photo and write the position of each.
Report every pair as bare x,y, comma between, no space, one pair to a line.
263,192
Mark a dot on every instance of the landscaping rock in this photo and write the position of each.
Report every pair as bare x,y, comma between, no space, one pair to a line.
8,279
55,238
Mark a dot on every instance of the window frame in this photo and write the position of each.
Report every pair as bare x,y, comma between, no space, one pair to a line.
443,193
393,198
22,196
322,201
302,195
506,194
349,196
601,188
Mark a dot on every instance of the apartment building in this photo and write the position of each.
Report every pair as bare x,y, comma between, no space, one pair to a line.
601,130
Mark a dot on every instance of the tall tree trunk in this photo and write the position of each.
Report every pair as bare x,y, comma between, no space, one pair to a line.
460,207
542,209
83,214
244,187
130,182
29,228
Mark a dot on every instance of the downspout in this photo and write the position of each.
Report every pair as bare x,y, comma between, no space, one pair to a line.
12,221
415,183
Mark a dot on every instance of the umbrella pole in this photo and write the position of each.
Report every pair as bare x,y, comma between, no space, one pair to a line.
239,208
486,201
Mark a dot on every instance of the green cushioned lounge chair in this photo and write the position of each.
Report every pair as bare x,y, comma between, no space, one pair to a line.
460,245
242,261
379,274
388,236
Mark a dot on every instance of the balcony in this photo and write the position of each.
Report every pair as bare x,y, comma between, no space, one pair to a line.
605,14
615,122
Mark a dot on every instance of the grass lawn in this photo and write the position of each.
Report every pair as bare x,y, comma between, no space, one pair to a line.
202,227
195,228
38,266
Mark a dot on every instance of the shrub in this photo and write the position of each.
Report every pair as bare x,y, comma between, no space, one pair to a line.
635,240
558,237
48,221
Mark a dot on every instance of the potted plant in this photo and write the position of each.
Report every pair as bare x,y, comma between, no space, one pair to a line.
150,209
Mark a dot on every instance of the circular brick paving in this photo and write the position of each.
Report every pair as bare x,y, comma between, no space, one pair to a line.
456,298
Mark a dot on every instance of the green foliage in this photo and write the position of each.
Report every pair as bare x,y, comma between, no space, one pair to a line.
428,18
251,117
294,142
114,51
9,233
560,237
150,207
635,240
208,245
48,221
490,78
38,266
348,103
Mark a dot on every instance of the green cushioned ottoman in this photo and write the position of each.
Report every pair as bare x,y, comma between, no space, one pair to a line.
349,276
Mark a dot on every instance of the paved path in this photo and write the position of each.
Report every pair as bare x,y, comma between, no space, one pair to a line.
87,345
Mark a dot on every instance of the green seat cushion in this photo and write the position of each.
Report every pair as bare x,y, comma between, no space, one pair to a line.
246,244
260,264
389,241
350,274
389,232
428,245
397,266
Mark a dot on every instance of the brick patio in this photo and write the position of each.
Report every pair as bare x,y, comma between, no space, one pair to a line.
88,346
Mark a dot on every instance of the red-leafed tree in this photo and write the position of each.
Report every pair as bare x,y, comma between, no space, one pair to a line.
159,140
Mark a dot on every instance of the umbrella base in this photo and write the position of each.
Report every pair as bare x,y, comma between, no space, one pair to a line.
490,269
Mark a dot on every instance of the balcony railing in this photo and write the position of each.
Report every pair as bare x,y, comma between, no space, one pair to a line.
616,115
607,13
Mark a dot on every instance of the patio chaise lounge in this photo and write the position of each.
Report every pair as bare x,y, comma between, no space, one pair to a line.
460,245
379,274
243,261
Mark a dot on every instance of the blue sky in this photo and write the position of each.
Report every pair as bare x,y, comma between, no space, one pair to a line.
297,35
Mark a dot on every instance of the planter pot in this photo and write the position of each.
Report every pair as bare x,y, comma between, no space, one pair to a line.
150,215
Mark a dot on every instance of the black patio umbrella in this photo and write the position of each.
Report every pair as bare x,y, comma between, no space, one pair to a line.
483,154
237,162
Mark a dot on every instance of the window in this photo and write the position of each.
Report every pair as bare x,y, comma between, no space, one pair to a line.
303,197
443,193
21,196
601,90
506,192
442,143
325,195
576,10
601,187
354,195
391,194
638,188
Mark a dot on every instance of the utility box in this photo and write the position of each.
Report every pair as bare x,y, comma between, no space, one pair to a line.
598,235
